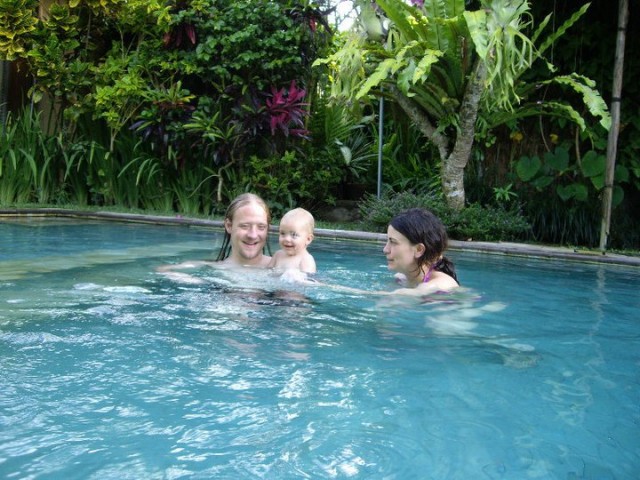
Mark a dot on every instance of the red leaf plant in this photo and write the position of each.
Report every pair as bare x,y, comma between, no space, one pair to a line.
286,111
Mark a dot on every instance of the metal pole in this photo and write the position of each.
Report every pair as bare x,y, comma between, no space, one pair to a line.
380,140
612,143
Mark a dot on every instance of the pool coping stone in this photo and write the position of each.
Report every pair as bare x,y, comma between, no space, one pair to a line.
502,248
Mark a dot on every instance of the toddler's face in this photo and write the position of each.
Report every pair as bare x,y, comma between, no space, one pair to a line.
293,237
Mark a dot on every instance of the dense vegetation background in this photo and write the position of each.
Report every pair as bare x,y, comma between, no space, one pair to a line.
176,107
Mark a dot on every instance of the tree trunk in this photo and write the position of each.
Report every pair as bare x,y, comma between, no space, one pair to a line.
421,120
454,164
612,143
453,160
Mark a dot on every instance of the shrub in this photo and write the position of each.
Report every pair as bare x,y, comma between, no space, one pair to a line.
292,180
490,224
472,223
376,212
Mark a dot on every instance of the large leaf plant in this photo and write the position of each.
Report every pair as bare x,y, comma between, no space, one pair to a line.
455,72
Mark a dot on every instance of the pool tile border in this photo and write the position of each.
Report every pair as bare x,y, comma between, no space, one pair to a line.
501,248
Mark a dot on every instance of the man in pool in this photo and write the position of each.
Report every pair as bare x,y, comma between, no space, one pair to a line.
246,225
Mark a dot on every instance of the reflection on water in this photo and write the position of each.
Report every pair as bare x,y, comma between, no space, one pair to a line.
112,371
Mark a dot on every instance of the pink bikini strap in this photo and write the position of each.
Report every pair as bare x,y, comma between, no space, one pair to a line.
427,276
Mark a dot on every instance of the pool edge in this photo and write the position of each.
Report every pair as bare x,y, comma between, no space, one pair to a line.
500,248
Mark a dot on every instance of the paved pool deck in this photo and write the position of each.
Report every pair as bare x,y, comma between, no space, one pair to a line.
498,248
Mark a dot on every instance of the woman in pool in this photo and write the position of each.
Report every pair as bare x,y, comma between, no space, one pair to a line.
416,242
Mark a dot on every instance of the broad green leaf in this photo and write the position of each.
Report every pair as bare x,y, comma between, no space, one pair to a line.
541,183
528,167
593,164
574,190
405,78
617,196
558,159
565,192
598,181
581,192
592,99
476,23
424,66
621,174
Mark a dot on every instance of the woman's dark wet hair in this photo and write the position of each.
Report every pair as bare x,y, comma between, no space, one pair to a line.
421,226
239,202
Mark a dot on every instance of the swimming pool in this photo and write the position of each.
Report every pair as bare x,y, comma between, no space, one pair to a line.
109,370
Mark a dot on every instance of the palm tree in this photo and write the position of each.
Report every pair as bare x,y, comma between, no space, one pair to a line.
448,68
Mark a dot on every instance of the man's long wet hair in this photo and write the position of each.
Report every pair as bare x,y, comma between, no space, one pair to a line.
422,226
239,202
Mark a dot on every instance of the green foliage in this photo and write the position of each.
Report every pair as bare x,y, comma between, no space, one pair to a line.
17,20
498,32
457,73
473,223
162,105
117,102
292,180
560,222
188,79
487,224
417,44
27,162
504,195
227,53
409,163
377,212
194,190
531,86
343,139
578,180
563,194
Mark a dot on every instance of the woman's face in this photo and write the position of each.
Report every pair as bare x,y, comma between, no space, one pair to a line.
402,255
248,231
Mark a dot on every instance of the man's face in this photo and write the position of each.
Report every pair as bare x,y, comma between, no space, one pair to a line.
248,232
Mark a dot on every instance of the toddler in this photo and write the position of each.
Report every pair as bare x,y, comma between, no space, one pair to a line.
295,234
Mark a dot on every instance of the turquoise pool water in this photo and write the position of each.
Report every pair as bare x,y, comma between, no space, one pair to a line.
110,371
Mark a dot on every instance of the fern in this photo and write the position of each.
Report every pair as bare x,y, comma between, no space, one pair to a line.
427,99
592,99
550,40
448,73
380,74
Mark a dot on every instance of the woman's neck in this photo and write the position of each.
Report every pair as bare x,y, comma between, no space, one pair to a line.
416,277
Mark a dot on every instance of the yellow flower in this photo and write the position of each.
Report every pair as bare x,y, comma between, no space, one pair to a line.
516,136
554,138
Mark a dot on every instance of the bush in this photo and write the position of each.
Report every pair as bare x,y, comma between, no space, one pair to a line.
472,223
488,224
376,212
292,181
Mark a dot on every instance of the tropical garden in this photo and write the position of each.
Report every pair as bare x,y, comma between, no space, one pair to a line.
493,113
